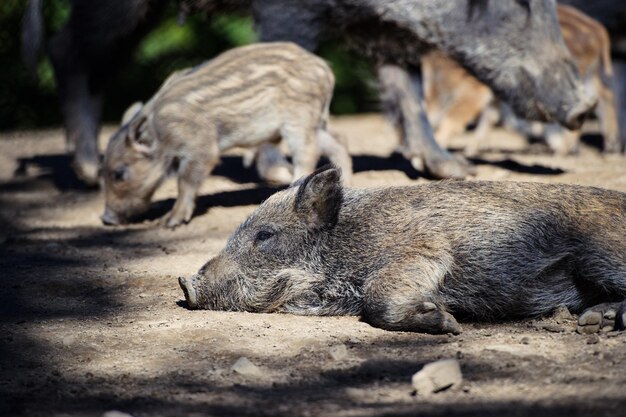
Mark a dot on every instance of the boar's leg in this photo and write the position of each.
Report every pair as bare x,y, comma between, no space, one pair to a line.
271,164
337,153
405,299
192,171
561,141
404,102
303,147
603,317
81,107
97,39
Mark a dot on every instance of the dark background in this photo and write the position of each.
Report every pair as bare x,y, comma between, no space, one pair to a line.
28,101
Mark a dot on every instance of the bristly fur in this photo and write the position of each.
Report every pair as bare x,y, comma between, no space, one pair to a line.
409,258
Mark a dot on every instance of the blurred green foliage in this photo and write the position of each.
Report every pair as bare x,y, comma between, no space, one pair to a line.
27,101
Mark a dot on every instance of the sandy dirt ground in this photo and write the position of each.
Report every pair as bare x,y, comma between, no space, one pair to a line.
92,318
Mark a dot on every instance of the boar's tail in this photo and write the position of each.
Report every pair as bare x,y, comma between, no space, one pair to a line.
32,34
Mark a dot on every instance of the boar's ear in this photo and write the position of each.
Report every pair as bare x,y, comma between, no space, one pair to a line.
139,136
319,198
131,112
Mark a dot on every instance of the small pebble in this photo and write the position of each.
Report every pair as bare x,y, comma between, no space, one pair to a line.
338,352
562,314
593,339
525,340
438,376
115,413
243,366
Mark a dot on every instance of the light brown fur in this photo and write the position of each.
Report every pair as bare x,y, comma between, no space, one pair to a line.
246,97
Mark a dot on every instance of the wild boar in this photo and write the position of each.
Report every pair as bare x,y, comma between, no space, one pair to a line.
245,97
514,46
412,258
454,98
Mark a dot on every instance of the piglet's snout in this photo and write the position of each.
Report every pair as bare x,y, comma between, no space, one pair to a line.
186,284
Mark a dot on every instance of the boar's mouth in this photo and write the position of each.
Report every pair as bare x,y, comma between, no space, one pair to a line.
190,292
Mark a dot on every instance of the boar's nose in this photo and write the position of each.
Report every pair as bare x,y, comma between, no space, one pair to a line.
110,218
576,116
191,297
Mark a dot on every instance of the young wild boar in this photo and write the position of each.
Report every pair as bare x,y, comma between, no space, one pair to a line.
245,97
413,258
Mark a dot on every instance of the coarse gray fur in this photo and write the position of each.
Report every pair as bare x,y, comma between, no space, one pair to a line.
412,258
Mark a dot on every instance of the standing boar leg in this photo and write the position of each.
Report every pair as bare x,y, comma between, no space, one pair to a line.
96,40
405,105
81,108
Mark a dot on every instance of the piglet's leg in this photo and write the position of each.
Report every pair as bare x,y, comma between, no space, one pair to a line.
191,173
303,147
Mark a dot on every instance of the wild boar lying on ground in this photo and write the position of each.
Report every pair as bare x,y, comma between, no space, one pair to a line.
245,97
409,258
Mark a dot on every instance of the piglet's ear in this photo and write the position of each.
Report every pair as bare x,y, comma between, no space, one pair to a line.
319,198
139,136
131,112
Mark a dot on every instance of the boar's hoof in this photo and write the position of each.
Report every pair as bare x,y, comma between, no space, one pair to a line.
434,321
453,167
87,171
603,318
189,291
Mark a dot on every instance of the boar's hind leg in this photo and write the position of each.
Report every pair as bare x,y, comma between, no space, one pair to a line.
603,317
404,102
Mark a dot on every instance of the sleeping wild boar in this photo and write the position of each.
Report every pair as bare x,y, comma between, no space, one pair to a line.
415,258
245,97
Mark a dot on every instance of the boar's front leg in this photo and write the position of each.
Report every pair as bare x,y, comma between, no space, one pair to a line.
405,299
404,102
192,170
603,317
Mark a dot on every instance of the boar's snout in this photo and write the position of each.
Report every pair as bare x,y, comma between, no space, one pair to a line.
110,217
186,284
577,115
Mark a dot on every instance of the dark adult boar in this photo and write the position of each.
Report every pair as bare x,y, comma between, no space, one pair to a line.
413,258
514,46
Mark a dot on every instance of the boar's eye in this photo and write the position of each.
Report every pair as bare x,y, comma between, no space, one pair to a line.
120,173
264,235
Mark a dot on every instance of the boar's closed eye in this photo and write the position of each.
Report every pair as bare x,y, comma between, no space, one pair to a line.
264,235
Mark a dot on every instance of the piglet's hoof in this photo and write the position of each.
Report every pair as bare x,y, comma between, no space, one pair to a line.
602,318
176,218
